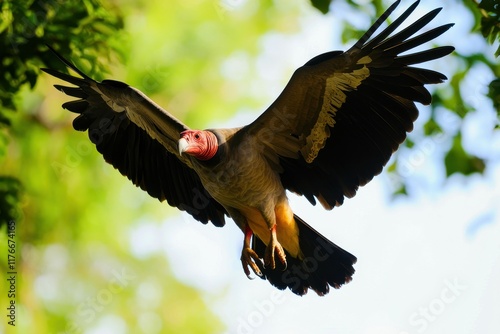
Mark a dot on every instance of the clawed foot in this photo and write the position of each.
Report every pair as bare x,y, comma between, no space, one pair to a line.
250,259
274,250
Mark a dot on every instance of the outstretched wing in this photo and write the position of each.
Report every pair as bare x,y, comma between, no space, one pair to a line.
343,114
138,138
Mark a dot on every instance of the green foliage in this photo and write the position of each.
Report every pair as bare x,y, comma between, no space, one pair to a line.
432,127
322,5
28,25
459,161
350,33
490,29
25,29
9,199
490,21
494,94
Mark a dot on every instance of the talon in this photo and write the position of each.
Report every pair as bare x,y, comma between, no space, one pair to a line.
273,249
285,265
250,259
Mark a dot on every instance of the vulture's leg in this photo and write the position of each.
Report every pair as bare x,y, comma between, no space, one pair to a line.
248,256
274,249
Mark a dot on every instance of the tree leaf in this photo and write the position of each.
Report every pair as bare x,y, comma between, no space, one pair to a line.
494,94
459,161
322,5
490,21
10,190
431,127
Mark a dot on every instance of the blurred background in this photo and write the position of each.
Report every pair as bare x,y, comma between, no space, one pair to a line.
94,254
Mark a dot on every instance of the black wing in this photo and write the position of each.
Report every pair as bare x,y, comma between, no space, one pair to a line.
138,138
343,114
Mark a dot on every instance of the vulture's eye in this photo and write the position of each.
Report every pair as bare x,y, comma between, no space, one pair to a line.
197,136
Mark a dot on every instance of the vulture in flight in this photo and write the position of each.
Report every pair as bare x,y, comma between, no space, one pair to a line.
330,131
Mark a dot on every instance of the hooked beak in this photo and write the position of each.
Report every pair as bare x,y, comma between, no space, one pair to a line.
183,145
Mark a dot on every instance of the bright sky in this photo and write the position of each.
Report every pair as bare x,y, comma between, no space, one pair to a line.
426,264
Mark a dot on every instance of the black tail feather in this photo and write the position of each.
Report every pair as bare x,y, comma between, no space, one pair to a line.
324,264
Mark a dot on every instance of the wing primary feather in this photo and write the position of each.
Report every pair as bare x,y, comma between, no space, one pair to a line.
393,26
376,25
425,75
68,63
420,39
82,123
401,36
78,106
72,91
66,77
423,56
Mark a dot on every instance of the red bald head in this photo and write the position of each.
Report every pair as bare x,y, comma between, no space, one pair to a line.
200,144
